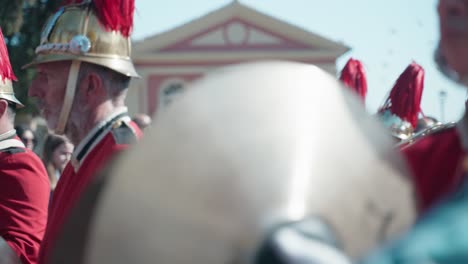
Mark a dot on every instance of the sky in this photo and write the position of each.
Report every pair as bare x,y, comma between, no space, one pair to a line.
386,35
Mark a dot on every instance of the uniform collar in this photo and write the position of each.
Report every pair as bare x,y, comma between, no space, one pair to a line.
95,136
9,140
8,135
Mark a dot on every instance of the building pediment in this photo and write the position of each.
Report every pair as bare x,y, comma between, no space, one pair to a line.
236,35
236,30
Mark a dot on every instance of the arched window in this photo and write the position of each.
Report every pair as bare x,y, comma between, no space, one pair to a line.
169,91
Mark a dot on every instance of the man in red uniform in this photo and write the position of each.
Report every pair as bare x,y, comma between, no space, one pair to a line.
437,158
24,185
83,72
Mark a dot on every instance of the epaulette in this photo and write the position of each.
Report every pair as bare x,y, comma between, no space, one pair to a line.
427,132
13,150
123,133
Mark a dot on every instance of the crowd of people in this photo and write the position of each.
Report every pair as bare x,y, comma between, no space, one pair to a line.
252,174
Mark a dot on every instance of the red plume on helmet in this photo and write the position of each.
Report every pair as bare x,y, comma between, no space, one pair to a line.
7,75
6,71
404,100
353,76
114,15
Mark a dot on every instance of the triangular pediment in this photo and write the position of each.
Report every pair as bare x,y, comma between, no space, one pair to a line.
236,28
236,35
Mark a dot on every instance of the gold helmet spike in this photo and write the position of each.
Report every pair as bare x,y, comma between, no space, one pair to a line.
7,75
84,32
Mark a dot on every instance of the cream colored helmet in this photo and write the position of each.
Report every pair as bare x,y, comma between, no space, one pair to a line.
246,149
96,32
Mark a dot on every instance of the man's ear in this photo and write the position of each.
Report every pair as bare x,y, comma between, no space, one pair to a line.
92,87
3,107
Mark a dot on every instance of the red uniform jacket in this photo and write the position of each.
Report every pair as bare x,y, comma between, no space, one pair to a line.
435,163
103,142
24,199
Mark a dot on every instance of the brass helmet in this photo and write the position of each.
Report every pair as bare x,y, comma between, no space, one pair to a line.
400,129
78,32
94,31
7,76
239,155
425,123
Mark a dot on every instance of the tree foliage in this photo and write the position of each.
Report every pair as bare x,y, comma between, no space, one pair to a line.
22,22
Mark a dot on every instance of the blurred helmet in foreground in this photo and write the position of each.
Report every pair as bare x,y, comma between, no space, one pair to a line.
265,157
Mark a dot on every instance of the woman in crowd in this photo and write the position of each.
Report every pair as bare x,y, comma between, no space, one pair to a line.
57,152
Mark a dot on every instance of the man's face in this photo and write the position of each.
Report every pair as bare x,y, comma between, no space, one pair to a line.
49,87
453,15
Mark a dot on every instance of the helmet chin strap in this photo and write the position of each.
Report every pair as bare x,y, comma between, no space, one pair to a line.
68,98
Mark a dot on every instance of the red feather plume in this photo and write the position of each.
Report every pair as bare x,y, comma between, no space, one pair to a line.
353,76
6,70
405,97
114,15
